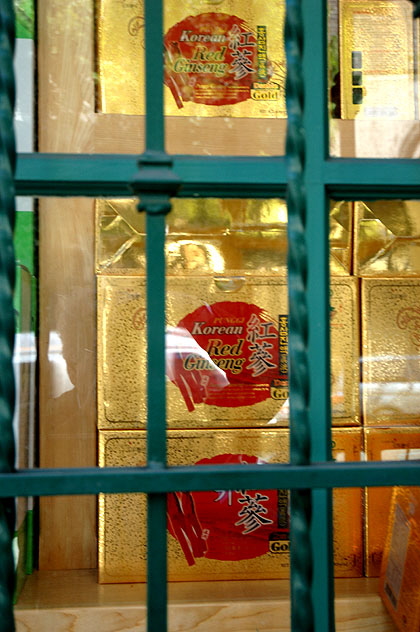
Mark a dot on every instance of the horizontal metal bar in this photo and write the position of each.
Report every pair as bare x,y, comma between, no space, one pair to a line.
109,175
55,482
229,176
366,178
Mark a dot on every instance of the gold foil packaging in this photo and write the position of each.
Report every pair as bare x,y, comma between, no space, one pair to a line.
384,444
387,238
219,534
221,58
203,236
213,235
227,383
226,352
227,362
399,584
236,266
391,351
377,60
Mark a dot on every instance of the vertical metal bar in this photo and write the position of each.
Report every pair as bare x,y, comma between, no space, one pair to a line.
156,421
156,387
316,123
155,131
308,261
7,277
416,10
300,500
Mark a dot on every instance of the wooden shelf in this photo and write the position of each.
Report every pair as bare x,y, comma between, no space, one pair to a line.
73,601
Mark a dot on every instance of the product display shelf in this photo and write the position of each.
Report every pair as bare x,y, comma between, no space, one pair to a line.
73,601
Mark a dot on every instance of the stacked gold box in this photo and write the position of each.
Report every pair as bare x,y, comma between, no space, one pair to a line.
379,81
219,535
387,260
227,386
227,313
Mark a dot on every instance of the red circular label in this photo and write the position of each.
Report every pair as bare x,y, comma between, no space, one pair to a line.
211,59
224,525
224,354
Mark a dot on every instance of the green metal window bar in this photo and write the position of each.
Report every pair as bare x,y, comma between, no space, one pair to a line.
309,178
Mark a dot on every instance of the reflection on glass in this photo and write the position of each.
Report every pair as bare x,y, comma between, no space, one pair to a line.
66,375
60,380
391,351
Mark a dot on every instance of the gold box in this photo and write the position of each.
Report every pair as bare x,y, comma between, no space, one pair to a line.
219,535
222,58
387,238
227,344
399,584
213,235
376,59
391,344
383,444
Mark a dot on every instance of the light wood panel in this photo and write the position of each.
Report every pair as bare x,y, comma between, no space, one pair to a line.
66,282
74,602
67,376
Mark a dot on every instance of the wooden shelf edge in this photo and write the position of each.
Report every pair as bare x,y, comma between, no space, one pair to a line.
73,601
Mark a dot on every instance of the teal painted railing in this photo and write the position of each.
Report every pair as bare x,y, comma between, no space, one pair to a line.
7,325
310,178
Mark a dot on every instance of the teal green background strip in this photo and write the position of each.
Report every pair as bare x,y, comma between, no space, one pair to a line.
24,239
25,19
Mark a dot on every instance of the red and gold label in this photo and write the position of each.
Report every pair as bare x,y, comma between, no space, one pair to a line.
219,534
226,352
218,59
235,361
221,58
229,525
